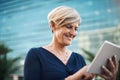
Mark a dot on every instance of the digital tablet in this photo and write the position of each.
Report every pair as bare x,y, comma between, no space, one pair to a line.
106,51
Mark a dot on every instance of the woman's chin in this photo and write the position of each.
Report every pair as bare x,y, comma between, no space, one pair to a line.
68,43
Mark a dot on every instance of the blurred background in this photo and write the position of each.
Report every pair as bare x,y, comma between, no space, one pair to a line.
23,25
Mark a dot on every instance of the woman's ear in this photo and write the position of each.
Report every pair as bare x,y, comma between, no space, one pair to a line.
52,26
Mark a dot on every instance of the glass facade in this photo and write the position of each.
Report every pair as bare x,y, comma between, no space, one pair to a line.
23,23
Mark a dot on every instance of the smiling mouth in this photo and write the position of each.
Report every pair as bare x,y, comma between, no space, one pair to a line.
69,36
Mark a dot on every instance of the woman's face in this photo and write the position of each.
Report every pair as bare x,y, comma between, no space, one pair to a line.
65,34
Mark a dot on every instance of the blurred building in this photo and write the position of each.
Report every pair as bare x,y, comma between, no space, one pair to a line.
23,24
92,40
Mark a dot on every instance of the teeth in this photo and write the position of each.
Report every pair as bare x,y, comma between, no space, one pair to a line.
67,35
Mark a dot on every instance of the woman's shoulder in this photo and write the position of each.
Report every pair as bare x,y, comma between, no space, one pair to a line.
35,52
78,55
35,49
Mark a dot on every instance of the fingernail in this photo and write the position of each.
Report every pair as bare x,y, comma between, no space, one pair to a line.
103,66
114,57
110,59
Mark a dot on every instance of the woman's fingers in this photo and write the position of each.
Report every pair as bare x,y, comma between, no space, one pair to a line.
115,61
110,70
106,71
106,74
88,76
111,65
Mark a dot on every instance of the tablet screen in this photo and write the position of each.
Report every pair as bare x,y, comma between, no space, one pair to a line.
106,51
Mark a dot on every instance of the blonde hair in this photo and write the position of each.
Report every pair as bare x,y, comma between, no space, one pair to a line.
63,15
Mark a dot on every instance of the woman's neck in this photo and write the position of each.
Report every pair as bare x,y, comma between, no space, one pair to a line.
58,47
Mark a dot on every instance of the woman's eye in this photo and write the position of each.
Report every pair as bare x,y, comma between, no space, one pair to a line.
76,29
68,26
71,27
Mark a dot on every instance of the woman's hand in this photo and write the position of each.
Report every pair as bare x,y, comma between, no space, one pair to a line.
85,75
81,75
109,72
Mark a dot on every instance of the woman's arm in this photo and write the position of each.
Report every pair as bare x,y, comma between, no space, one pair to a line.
32,66
81,75
109,72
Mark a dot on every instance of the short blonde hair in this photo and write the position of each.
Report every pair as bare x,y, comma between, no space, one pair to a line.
63,15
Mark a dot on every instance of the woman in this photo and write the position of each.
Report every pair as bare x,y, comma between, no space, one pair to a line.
54,61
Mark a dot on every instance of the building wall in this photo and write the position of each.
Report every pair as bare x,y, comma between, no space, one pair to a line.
92,40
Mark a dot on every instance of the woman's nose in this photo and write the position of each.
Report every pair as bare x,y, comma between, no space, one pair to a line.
73,32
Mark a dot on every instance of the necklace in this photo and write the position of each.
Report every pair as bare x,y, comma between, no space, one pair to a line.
66,57
63,56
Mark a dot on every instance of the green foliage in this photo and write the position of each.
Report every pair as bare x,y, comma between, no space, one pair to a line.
4,49
88,55
7,65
